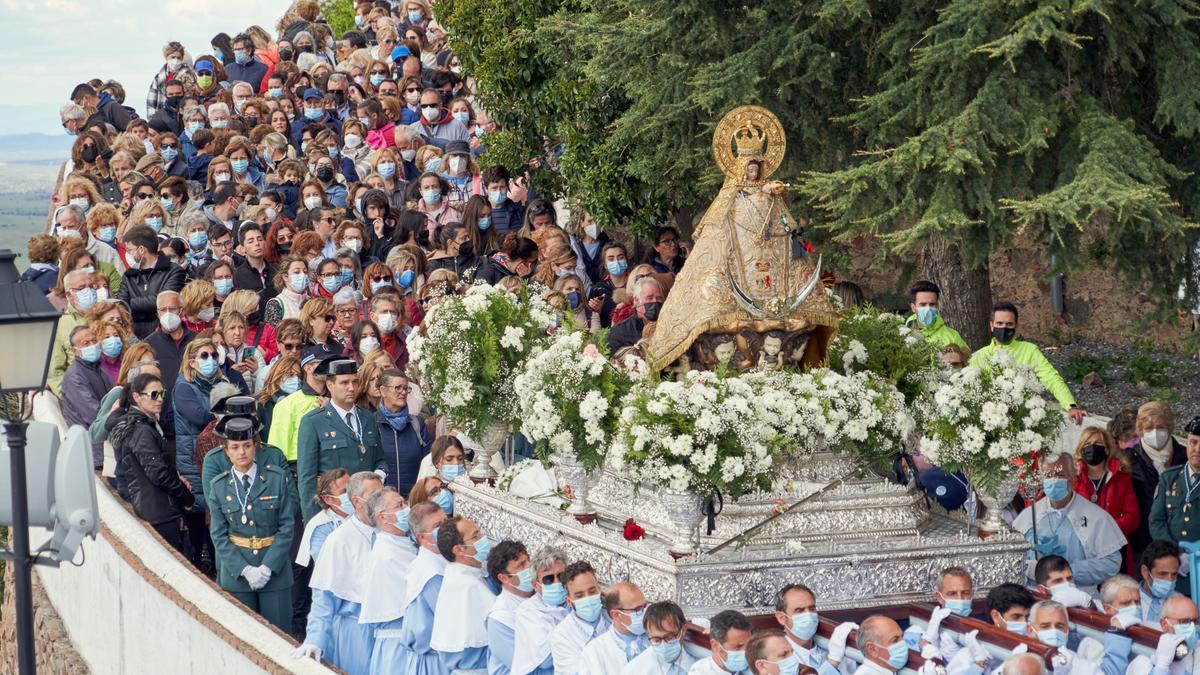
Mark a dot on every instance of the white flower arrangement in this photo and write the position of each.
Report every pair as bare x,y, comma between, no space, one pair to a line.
989,421
869,340
471,349
567,396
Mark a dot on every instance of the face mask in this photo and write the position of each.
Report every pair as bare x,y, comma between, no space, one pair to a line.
463,117
1188,632
272,214
497,197
111,346
91,353
70,234
155,223
414,16
240,56
222,177
431,197
525,580
1094,454
387,323
651,309
433,163
1056,591
240,166
218,55
314,114
224,286
193,127
1004,335
897,654
206,367
174,64
207,315
167,204
358,20
402,519
82,203
482,548
134,263
452,471
1160,588
413,98
377,79
376,285
387,170
927,315
347,276
445,499
788,666
368,345
1052,637
353,244
959,607
275,92
458,164
431,114
804,625
1156,438
592,230
479,131
197,240
484,222
102,294
204,82
353,141
311,203
1056,489
667,652
85,298
331,284
617,267
325,173
298,282
89,154
1018,627
467,249
736,661
573,299
290,385
554,594
344,503
406,278
107,234
220,124
588,608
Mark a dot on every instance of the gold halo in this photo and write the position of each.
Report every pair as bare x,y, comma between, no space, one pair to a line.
728,126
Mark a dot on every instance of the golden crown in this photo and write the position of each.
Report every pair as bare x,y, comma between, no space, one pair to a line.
751,140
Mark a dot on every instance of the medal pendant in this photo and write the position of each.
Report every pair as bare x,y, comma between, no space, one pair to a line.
244,519
1095,498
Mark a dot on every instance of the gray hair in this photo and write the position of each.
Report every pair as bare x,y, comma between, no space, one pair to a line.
419,513
338,77
377,502
191,218
409,132
221,107
866,634
1024,664
72,275
1052,605
194,110
1108,589
640,284
344,296
240,83
163,294
72,111
69,208
546,556
221,390
954,571
357,484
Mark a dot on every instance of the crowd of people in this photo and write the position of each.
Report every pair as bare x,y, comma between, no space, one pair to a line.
238,272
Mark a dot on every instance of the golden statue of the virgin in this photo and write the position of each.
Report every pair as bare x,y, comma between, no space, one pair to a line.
747,295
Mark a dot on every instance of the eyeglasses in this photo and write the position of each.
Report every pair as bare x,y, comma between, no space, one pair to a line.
291,346
155,394
345,311
169,146
663,640
669,242
379,72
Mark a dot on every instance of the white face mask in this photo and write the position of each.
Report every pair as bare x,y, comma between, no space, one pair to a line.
101,293
272,214
1156,439
367,345
221,177
431,114
457,164
387,323
311,203
174,64
353,244
220,353
352,141
408,155
207,314
591,230
169,322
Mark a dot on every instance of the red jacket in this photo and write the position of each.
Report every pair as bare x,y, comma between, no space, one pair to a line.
1116,497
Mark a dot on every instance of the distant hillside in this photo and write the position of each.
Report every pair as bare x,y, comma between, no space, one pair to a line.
35,147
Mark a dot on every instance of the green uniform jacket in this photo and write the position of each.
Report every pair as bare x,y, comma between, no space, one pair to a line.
270,510
216,463
285,421
327,443
939,334
1171,512
1027,353
60,355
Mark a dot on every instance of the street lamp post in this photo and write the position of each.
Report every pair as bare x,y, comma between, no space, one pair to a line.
27,321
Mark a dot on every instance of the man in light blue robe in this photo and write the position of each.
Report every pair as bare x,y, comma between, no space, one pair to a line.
387,570
509,564
459,634
422,587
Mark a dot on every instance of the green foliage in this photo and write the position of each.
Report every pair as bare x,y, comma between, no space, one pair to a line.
869,340
339,14
1079,365
1145,367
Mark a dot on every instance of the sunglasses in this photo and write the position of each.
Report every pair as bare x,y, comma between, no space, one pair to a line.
328,318
206,355
145,195
381,278
203,73
539,209
155,394
291,346
169,146
412,90
549,579
430,106
379,72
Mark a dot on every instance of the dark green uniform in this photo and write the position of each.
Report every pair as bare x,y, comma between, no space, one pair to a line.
239,525
1175,512
327,443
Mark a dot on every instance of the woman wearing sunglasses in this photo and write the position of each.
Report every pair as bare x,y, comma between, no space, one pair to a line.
157,492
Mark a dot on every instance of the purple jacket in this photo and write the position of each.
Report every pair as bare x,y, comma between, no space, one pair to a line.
84,384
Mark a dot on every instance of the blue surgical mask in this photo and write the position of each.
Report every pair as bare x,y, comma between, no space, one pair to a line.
804,626
218,55
958,607
344,503
1188,632
206,367
347,276
298,282
1052,637
240,56
1161,588
376,285
637,622
415,16
333,152
452,471
220,124
111,346
588,608
667,652
406,278
358,20
497,197
314,113
927,315
107,234
554,594
275,92
484,222
1018,627
240,166
167,203
463,117
736,661
788,666
1131,612
617,267
85,298
1056,489
90,353
290,384
525,580
402,518
573,299
377,79
193,127
445,499
155,223
431,197
168,155
482,548
224,286
386,169
198,239
897,654
331,284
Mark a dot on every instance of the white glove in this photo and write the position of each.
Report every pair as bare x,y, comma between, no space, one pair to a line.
251,575
1073,597
307,651
928,652
1123,621
264,575
1020,649
971,641
1185,564
837,642
935,624
1164,655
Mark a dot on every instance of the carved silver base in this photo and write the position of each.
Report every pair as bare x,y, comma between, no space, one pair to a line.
571,474
491,443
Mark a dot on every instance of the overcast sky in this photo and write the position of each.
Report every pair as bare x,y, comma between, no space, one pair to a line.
49,46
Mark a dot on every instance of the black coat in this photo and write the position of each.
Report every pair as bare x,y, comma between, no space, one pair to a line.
492,272
155,490
625,334
461,265
1145,482
140,288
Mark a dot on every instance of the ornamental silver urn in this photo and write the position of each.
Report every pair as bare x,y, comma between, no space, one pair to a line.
685,510
573,479
492,442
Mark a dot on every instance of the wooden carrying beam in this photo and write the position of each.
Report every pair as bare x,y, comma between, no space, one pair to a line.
988,633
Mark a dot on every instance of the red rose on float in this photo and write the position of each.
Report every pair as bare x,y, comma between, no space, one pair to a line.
633,531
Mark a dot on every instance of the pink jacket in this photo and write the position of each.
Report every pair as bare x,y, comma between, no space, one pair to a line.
383,137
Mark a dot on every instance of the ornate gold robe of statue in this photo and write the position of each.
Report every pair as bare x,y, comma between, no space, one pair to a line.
746,278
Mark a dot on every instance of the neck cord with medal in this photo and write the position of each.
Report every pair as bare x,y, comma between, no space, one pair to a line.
1098,485
238,494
